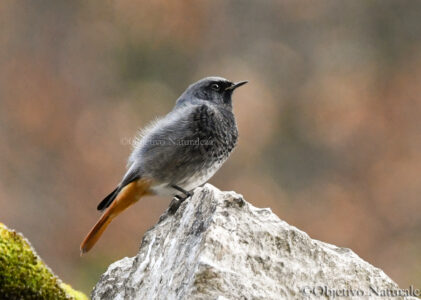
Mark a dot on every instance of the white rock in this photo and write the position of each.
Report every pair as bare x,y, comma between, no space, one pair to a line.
218,246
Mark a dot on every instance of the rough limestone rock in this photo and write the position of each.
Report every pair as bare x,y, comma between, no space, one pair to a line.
218,246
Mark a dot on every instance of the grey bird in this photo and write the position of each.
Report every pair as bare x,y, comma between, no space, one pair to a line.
177,153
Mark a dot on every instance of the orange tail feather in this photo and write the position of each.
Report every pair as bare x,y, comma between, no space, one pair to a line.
129,195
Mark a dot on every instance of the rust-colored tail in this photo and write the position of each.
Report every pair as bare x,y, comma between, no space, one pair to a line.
127,196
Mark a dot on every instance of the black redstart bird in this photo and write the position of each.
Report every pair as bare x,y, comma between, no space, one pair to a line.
176,153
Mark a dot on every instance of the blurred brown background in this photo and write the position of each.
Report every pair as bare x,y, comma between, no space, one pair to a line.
330,127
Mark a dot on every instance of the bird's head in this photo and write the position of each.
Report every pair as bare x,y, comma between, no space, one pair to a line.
217,90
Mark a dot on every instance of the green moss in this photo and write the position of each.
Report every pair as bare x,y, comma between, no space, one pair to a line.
73,293
23,275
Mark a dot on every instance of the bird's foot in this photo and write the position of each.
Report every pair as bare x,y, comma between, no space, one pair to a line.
176,202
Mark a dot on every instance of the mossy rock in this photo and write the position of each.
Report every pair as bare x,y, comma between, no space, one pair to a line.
23,275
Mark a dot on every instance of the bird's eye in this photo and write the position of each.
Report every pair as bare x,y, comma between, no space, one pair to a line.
215,86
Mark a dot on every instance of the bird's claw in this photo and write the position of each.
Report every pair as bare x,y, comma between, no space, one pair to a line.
176,202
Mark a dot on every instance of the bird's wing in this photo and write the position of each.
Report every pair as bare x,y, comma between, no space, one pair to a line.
178,139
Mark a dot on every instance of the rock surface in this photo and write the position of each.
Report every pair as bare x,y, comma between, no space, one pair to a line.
218,246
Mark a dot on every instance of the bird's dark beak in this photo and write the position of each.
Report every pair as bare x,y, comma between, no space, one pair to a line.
236,85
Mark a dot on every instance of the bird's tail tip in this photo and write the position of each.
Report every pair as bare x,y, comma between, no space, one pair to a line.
82,251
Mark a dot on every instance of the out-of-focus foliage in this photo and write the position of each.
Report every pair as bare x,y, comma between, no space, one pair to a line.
329,124
23,275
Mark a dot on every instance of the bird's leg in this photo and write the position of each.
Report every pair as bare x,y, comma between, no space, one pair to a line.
177,200
180,189
175,204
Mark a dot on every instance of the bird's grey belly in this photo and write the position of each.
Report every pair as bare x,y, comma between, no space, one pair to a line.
195,179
